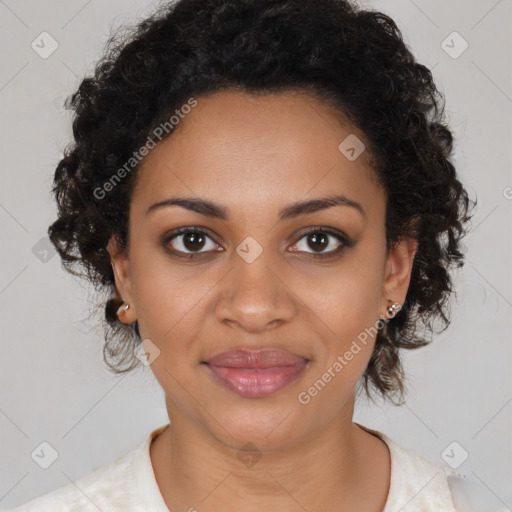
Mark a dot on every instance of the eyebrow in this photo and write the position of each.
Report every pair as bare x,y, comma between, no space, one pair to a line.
210,209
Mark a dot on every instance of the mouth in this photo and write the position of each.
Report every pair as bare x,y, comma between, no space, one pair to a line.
256,373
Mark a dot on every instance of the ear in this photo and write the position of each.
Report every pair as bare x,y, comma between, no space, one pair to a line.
398,272
123,281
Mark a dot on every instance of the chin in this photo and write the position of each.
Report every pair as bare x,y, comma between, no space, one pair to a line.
268,428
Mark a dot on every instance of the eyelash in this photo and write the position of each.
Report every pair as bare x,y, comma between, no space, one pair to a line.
345,242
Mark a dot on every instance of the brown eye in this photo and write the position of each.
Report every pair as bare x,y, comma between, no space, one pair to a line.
193,241
318,241
190,241
322,242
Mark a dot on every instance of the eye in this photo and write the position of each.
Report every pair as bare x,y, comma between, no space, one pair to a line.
323,241
190,241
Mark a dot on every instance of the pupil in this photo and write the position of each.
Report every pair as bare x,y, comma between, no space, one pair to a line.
192,238
315,238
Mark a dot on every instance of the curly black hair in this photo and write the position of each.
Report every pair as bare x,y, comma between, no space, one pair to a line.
352,59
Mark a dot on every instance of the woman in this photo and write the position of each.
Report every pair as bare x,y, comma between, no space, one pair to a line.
265,188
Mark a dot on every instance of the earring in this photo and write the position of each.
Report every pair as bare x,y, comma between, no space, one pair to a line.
391,311
121,308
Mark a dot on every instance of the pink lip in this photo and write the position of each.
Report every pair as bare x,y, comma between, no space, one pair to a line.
256,373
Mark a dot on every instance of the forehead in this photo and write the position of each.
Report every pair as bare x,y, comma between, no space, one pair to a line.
239,149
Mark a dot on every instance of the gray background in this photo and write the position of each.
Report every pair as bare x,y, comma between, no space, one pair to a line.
54,385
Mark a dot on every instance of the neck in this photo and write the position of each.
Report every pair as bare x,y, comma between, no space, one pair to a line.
341,467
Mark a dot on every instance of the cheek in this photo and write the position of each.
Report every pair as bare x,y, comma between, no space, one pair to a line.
347,297
347,346
347,304
169,311
168,301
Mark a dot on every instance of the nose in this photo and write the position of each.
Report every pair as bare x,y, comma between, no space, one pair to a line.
254,297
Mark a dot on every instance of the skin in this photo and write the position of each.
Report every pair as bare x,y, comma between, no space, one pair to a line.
255,156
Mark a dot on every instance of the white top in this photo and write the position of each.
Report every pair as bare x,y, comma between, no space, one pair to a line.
129,484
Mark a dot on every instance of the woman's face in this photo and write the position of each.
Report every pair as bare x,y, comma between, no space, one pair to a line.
257,279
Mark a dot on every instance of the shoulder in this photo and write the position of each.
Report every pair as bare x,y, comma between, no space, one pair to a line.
437,487
469,494
419,484
101,488
125,484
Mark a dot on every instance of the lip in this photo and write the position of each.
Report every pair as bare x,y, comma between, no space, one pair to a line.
261,358
258,373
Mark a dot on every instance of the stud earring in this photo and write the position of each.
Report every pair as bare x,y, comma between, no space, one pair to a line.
122,308
391,311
